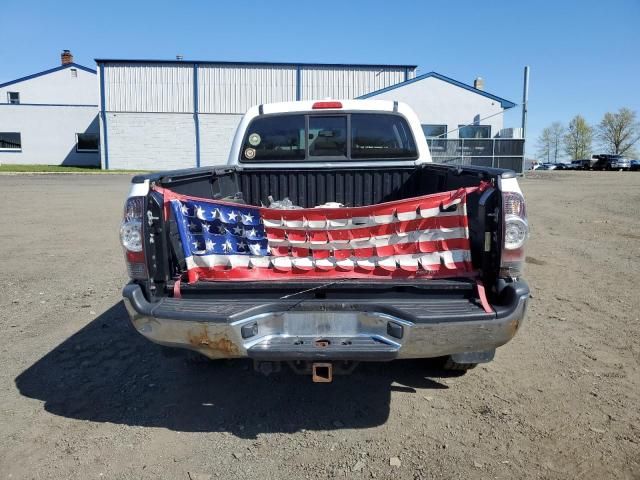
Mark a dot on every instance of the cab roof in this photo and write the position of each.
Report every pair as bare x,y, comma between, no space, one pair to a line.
321,105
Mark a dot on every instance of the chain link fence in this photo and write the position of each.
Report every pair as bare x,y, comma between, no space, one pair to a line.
484,152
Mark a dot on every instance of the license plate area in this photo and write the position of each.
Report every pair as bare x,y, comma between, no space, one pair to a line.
312,324
319,331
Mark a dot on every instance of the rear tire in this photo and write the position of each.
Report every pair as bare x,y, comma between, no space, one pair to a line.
452,366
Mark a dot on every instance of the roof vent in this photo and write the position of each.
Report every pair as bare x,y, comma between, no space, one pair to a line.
478,83
65,57
179,58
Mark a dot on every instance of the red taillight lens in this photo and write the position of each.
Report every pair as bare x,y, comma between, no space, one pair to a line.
515,234
131,237
321,105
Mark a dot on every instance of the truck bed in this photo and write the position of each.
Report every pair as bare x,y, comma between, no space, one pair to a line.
308,187
353,187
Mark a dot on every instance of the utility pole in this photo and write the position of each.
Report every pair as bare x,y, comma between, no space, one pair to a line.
525,100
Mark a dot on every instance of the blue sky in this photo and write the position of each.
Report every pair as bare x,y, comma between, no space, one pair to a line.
584,55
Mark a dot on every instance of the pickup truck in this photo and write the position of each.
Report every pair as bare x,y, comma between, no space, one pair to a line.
329,238
610,162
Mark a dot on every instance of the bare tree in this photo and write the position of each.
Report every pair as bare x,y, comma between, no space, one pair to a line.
557,133
578,139
544,145
619,131
550,142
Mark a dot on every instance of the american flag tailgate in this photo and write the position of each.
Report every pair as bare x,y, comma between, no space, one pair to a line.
419,237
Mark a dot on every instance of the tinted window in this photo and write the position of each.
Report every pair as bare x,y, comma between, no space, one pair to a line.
474,131
381,136
87,142
275,138
434,131
328,136
10,140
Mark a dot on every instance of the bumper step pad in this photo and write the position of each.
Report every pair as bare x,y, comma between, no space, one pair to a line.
335,348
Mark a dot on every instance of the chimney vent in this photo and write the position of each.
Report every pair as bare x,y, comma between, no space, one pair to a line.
478,83
179,57
66,57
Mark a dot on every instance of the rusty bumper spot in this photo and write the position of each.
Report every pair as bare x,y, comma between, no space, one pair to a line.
512,327
216,345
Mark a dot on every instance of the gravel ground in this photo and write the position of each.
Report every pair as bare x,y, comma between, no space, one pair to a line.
83,396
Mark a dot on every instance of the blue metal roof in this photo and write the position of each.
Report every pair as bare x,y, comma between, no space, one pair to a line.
287,64
506,104
46,72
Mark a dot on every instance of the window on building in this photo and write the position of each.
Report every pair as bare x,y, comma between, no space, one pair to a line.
13,97
74,72
474,131
434,131
10,141
87,142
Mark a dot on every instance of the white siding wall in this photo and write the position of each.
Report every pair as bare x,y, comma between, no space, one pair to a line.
216,135
346,82
149,106
158,87
231,89
57,87
149,88
151,141
438,102
48,134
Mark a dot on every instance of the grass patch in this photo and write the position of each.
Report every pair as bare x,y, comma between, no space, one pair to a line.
59,169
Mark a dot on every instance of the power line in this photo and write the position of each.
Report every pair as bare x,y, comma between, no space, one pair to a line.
475,122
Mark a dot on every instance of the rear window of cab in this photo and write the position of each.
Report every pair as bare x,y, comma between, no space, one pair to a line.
318,137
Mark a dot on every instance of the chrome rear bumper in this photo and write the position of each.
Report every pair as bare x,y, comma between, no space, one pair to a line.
319,330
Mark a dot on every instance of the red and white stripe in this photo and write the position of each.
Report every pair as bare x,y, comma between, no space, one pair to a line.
423,237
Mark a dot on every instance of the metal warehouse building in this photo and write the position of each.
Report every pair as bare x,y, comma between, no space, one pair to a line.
176,114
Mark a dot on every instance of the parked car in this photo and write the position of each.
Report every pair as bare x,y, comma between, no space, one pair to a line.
329,238
562,166
581,164
634,165
554,166
611,162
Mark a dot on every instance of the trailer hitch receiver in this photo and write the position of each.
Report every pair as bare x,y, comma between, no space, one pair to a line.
322,372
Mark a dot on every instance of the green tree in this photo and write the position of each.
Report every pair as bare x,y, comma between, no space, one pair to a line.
578,139
619,131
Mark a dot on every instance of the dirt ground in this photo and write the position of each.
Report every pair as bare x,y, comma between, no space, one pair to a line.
83,396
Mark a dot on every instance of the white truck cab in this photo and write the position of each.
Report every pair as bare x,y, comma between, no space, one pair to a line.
329,133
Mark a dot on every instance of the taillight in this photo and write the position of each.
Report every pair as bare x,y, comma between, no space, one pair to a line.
515,234
132,239
321,105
